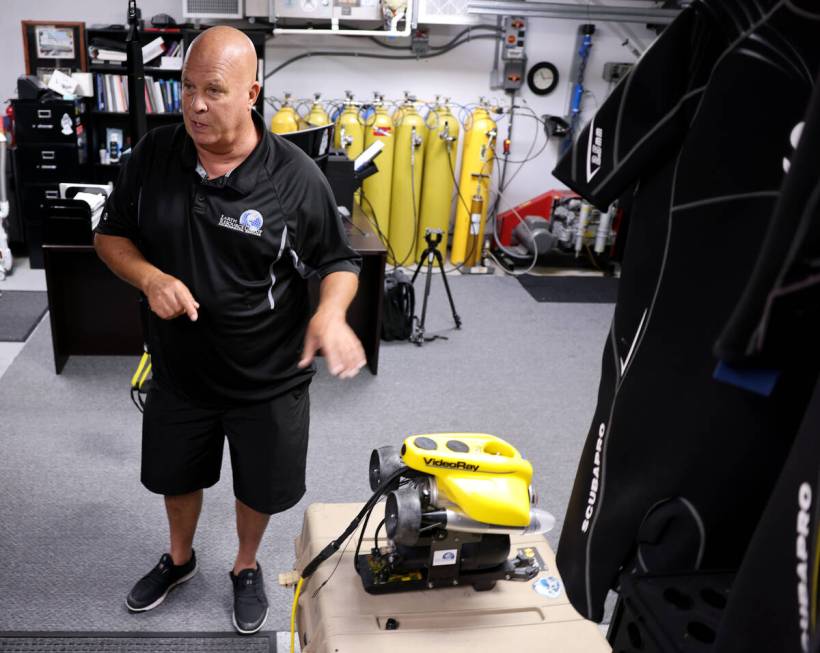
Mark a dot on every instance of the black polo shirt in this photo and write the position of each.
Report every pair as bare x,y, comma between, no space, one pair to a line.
244,244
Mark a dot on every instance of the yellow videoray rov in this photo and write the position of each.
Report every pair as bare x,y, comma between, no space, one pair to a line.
458,498
452,502
484,476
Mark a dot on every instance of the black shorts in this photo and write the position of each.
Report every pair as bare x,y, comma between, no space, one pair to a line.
182,447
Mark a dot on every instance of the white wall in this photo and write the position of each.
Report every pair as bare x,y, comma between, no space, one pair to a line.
462,74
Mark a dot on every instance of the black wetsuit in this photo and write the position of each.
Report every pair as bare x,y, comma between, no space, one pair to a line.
773,605
701,125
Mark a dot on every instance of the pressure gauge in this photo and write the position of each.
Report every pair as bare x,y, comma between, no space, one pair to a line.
542,78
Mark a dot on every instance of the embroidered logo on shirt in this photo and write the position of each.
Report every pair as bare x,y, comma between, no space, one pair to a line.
250,222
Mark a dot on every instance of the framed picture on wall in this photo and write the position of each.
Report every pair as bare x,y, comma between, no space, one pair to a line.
50,45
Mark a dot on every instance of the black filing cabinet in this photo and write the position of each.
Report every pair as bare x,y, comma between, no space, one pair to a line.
50,140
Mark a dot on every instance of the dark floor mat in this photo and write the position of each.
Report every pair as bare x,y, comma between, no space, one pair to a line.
20,311
573,290
137,643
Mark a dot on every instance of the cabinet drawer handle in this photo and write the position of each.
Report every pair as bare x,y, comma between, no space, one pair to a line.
47,155
44,113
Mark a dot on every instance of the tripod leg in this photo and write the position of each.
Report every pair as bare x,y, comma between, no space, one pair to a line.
440,260
420,263
427,283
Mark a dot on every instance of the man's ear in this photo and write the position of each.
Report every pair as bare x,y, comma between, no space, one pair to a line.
253,93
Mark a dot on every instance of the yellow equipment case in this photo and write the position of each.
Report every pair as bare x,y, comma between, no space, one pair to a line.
525,617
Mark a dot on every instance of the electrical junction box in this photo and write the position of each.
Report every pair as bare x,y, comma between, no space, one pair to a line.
513,74
614,71
532,615
515,33
420,42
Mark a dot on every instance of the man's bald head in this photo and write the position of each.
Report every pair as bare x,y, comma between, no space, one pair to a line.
219,89
224,45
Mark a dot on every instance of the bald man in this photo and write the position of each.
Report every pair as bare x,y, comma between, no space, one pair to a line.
219,224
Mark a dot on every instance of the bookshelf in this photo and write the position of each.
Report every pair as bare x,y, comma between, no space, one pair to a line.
109,106
106,115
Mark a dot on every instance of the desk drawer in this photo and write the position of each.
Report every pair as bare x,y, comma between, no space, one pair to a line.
49,162
48,122
32,200
33,197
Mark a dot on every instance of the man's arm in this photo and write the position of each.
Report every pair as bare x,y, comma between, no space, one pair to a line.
167,295
328,330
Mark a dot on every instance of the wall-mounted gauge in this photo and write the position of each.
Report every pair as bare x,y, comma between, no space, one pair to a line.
542,78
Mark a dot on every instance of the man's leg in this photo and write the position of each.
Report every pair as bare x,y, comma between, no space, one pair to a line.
181,454
183,513
268,443
250,527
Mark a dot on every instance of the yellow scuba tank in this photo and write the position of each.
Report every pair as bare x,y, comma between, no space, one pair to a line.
439,175
349,136
376,188
408,169
474,182
317,117
286,119
396,115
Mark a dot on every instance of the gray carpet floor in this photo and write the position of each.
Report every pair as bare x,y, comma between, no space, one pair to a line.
77,529
19,313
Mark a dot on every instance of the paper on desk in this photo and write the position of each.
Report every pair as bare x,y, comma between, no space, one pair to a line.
85,84
62,83
96,203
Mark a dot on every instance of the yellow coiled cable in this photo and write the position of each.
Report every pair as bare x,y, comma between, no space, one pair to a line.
293,615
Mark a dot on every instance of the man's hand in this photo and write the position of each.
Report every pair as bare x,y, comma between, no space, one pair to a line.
169,297
329,332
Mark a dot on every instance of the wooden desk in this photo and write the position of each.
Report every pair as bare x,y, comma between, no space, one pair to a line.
365,313
93,312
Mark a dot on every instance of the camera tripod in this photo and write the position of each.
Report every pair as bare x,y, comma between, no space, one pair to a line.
431,253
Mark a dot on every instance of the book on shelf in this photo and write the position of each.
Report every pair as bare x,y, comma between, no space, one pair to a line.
100,55
170,63
161,95
109,51
107,44
152,50
103,50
